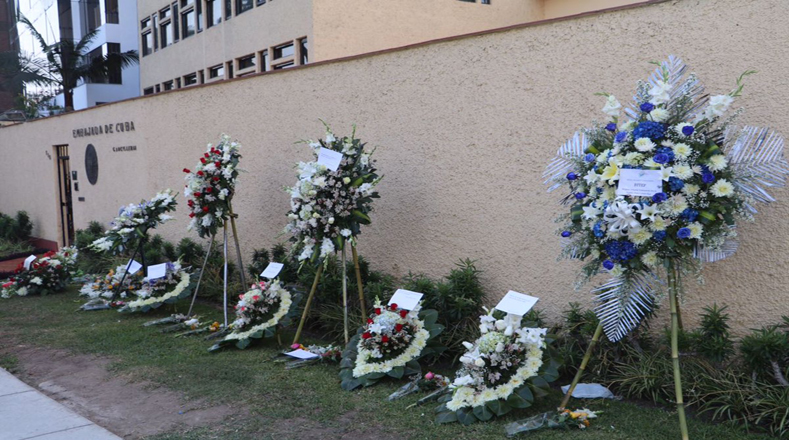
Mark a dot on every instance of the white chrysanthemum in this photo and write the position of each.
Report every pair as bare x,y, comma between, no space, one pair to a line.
679,127
696,230
682,151
644,145
640,237
633,158
722,188
718,162
650,259
683,171
659,114
676,204
649,163
690,189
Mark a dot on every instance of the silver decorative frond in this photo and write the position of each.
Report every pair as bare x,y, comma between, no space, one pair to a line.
570,249
710,255
563,162
756,157
623,302
689,87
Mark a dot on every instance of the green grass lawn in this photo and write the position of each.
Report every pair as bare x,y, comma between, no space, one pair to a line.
281,402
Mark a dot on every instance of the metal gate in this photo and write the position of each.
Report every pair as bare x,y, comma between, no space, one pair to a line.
64,183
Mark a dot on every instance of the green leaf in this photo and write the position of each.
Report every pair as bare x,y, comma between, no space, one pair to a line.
446,417
436,330
525,393
350,385
242,343
358,182
498,407
396,372
412,367
516,401
346,363
362,217
483,413
466,416
429,317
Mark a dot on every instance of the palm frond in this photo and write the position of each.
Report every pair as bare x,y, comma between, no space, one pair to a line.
756,157
711,255
571,249
681,87
622,303
563,162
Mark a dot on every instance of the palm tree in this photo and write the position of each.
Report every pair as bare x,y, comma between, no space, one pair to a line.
65,64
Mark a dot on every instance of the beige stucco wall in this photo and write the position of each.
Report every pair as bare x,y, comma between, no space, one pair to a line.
261,27
564,8
465,129
351,27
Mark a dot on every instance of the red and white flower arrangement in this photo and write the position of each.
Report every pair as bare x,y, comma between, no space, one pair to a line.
45,275
210,187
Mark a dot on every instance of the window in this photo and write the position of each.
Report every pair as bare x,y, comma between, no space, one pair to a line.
164,13
284,65
283,51
168,85
144,23
164,31
188,25
155,33
190,79
158,88
261,2
148,91
304,52
264,64
199,9
228,9
246,62
243,6
147,43
185,3
485,2
213,11
202,77
176,32
229,67
111,11
114,74
92,10
216,72
178,83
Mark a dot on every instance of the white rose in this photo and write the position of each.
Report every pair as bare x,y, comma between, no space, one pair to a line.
612,106
718,105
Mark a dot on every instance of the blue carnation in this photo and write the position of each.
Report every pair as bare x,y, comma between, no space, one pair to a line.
598,229
608,264
580,195
566,234
659,197
572,176
589,157
660,158
620,137
689,215
659,235
708,178
650,129
647,107
611,127
683,233
668,151
688,130
675,183
620,250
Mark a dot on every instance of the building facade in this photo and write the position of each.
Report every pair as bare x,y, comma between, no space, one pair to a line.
115,22
8,41
190,42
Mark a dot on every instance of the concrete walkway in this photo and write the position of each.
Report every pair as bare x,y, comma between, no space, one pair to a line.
25,413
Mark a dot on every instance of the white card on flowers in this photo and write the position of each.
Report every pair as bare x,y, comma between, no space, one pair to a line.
132,267
157,271
29,260
517,303
302,354
272,270
644,183
329,158
406,299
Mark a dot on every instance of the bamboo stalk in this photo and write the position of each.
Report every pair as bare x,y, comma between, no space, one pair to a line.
345,295
307,304
672,278
238,247
359,282
200,277
598,331
224,289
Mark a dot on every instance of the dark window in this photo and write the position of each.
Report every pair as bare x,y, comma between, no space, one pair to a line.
284,51
202,77
147,43
93,15
148,91
158,88
190,79
114,75
164,36
111,11
216,72
261,2
246,62
167,85
243,6
199,9
178,83
264,66
284,65
485,2
155,34
188,23
304,51
164,13
228,9
229,69
213,10
176,32
145,23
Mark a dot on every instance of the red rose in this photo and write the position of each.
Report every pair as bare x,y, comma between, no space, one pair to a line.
207,155
369,320
403,313
186,170
202,159
209,190
218,164
200,173
241,296
393,306
366,335
205,208
398,328
197,194
384,339
191,214
377,311
216,178
191,203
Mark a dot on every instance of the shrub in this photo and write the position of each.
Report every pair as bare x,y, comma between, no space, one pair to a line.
17,229
88,260
279,254
766,353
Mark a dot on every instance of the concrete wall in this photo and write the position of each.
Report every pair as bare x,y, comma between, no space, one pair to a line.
464,129
351,27
270,24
